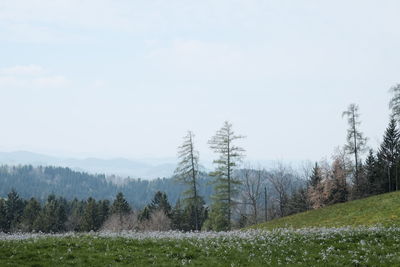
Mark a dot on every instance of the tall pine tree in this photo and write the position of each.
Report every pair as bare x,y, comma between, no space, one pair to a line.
315,177
389,154
223,144
187,173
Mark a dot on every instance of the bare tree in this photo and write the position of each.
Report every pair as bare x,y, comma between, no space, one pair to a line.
118,222
394,103
159,221
252,180
356,142
281,178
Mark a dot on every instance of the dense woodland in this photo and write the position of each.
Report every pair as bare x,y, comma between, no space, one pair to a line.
240,195
40,182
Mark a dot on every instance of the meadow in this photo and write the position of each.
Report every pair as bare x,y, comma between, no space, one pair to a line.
383,210
363,246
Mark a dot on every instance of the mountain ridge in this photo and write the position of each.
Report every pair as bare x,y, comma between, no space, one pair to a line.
114,166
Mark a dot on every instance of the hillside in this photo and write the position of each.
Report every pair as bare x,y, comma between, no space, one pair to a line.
376,210
39,182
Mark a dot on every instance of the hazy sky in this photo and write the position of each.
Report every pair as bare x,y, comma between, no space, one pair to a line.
110,78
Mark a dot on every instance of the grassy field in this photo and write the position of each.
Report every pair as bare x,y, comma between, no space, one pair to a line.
339,235
306,247
377,210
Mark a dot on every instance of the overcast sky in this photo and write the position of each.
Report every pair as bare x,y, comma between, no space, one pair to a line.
110,78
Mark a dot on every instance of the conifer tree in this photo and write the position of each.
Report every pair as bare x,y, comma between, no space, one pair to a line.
144,215
30,214
389,153
223,144
103,211
371,175
3,216
187,173
178,219
77,209
336,186
53,217
356,142
91,216
120,205
14,207
315,177
160,202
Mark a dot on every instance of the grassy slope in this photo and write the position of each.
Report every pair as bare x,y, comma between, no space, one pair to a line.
353,248
382,209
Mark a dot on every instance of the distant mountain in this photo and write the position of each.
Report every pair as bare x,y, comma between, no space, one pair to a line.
117,166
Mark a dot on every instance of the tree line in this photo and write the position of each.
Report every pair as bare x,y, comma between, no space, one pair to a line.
241,194
57,214
238,193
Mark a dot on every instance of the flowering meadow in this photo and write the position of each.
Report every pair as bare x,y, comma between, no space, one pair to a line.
373,246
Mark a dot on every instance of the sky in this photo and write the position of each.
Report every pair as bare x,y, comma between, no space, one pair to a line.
106,78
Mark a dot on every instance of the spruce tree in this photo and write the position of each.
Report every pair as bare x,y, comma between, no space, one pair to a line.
53,217
103,211
223,144
30,215
187,173
371,174
389,153
160,202
3,216
120,205
91,216
14,207
178,221
315,177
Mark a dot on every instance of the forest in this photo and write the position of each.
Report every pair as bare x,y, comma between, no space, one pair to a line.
233,195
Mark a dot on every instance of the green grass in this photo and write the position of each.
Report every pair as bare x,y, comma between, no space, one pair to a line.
319,244
381,210
358,247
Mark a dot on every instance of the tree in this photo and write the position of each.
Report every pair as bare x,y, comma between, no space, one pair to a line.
281,180
75,215
187,173
103,211
394,103
371,175
356,142
178,221
30,215
53,217
336,187
91,216
251,180
3,216
389,153
120,206
315,177
14,207
160,202
223,143
298,201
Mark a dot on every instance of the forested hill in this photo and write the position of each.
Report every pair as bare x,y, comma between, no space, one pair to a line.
39,182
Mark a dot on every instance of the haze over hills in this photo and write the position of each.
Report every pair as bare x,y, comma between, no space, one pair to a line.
146,169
